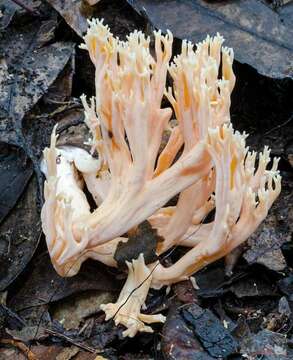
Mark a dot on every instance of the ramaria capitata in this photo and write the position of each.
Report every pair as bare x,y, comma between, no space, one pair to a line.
204,160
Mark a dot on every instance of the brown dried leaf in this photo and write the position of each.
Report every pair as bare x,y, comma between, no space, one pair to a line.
68,353
47,352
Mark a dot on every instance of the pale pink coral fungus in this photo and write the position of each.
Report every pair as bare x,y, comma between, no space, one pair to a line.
204,160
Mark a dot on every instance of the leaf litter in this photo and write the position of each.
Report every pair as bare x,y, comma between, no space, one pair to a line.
59,318
255,32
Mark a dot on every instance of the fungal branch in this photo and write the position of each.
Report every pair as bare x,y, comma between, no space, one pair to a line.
201,101
205,162
237,214
130,85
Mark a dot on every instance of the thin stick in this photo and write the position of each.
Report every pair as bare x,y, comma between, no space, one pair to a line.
279,126
71,341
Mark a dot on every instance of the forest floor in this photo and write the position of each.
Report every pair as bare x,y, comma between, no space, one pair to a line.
244,311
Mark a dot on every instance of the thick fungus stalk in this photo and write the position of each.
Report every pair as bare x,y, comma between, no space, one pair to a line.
204,161
127,309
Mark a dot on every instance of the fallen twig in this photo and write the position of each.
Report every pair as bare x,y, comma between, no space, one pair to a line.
72,341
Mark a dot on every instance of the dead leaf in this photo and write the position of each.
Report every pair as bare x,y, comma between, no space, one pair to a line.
38,126
47,352
143,241
19,345
213,282
265,249
71,337
15,172
251,28
286,286
266,344
83,355
74,13
276,230
75,135
70,312
286,14
3,297
45,285
232,259
68,353
213,336
9,353
178,341
10,319
185,292
28,333
104,335
7,9
253,286
32,65
19,236
60,91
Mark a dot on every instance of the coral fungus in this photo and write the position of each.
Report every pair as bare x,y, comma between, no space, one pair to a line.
204,161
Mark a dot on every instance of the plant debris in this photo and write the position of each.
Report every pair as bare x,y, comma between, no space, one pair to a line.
75,14
245,312
268,344
72,312
8,10
19,239
16,171
256,33
265,245
45,285
213,336
27,52
179,341
143,241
